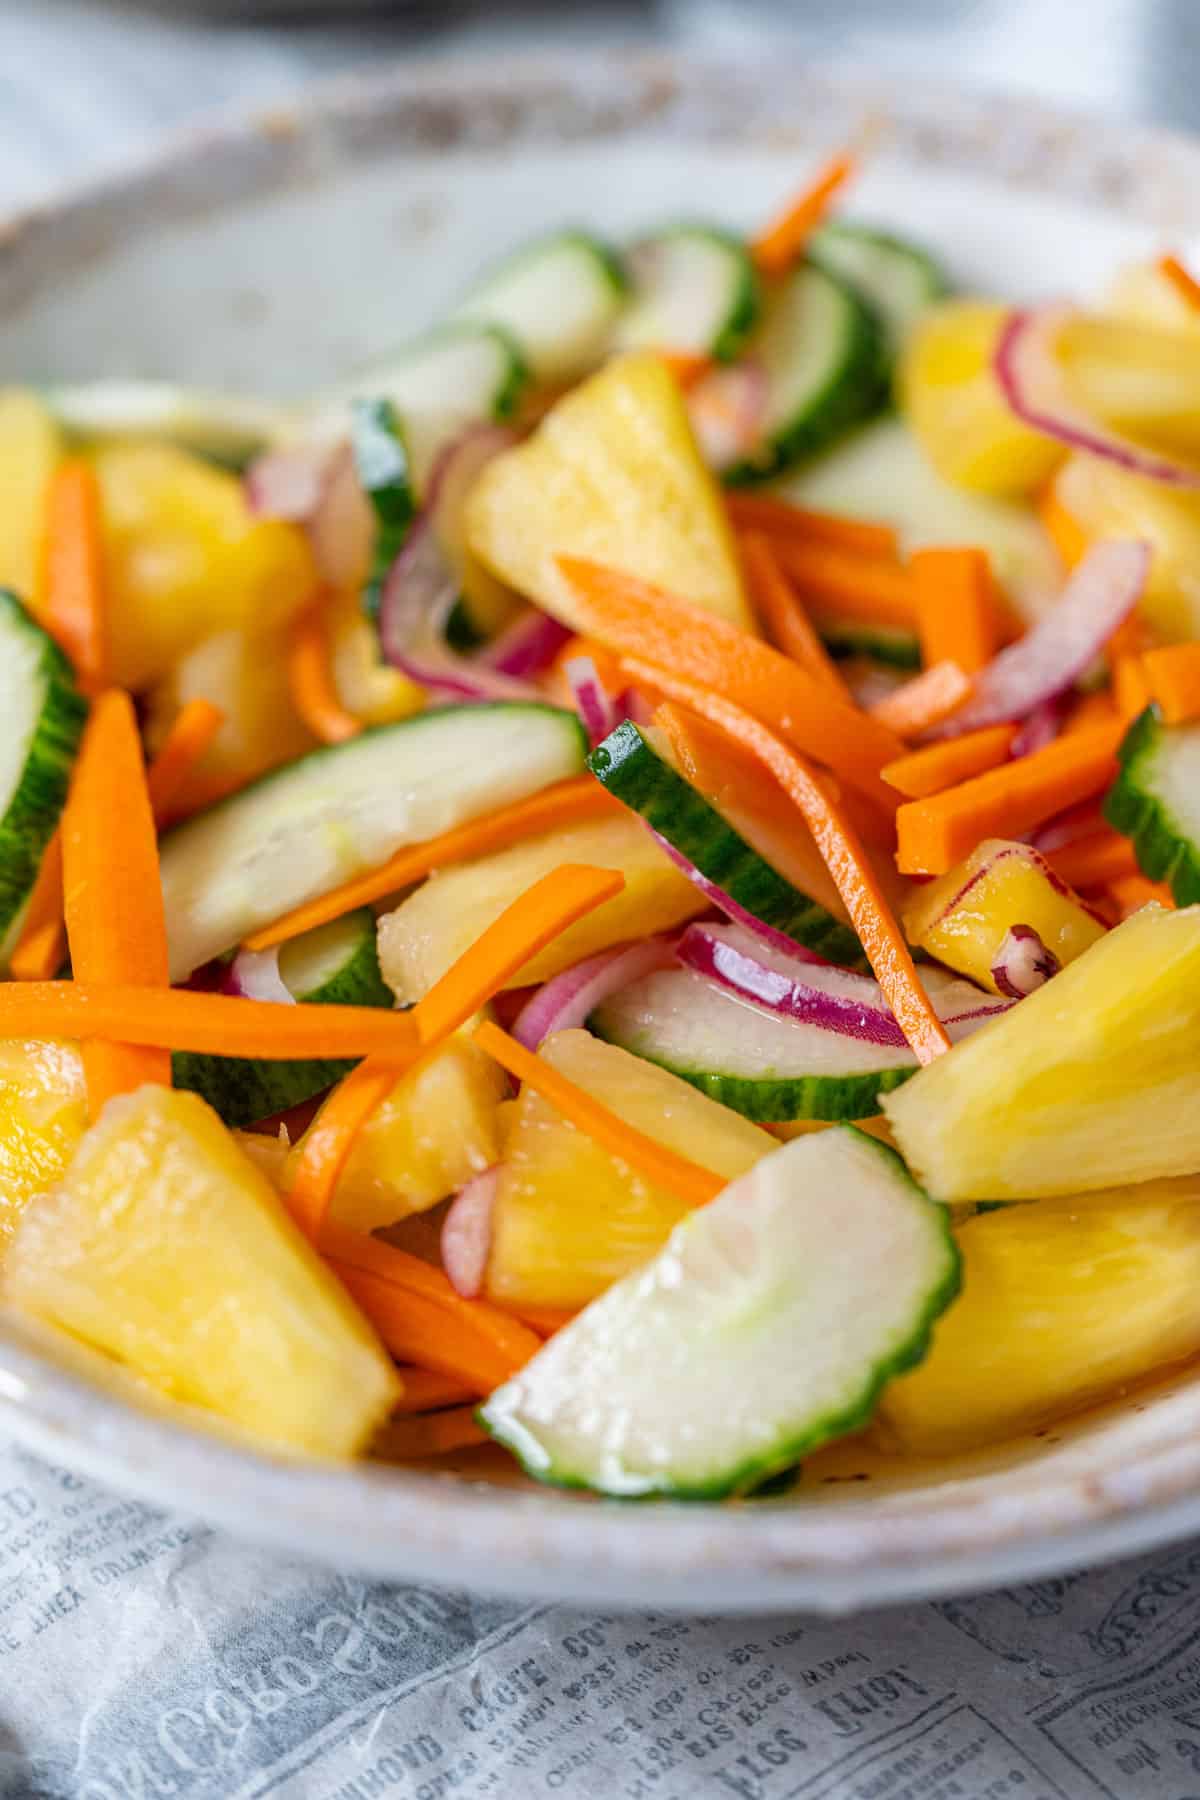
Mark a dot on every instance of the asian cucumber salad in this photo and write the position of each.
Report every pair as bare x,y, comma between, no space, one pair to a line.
623,882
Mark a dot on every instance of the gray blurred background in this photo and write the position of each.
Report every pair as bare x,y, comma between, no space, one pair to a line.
85,84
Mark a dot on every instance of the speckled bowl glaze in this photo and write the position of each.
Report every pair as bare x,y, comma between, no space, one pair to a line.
269,252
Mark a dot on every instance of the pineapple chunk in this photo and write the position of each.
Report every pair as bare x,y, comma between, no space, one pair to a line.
954,404
1107,502
1091,1080
432,928
366,686
570,1219
30,446
43,1113
1142,293
1061,1304
166,1248
186,558
1142,379
963,918
247,678
611,473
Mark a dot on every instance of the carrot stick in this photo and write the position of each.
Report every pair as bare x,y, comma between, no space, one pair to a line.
956,608
545,1320
1181,279
311,684
687,366
779,244
1062,527
926,700
416,1328
112,894
333,1133
800,524
847,861
564,804
1131,637
665,1168
434,1434
937,832
426,1389
928,771
666,634
1094,861
1173,679
868,590
1130,686
41,949
1093,709
192,731
782,612
216,1024
1132,891
71,601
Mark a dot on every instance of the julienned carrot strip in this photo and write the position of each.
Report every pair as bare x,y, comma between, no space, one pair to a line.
1131,637
545,1320
936,833
781,242
564,804
956,608
1132,891
687,366
866,589
1062,527
427,1389
433,1434
428,1331
1094,861
331,1136
928,771
779,518
1181,279
781,610
665,1168
1130,687
1173,679
41,949
217,1024
670,638
311,684
191,733
864,899
112,892
930,697
70,600
1094,709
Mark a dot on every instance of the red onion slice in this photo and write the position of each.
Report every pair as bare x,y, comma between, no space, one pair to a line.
1031,378
1052,655
1040,728
767,934
254,975
593,702
526,647
726,409
569,998
1023,962
467,1233
290,484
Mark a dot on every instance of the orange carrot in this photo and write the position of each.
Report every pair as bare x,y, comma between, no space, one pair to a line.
333,1133
781,242
926,700
1133,891
1181,279
1092,709
1131,637
1062,527
779,518
847,861
545,1320
311,683
41,949
687,366
112,894
867,589
937,832
956,608
1172,678
425,1390
71,597
1130,686
928,771
782,612
433,1434
1096,860
564,804
191,733
666,634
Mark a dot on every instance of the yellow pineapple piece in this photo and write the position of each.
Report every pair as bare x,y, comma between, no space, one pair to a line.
1143,379
611,473
431,929
1143,294
1108,502
963,917
366,686
186,558
43,1113
1061,1304
246,676
954,404
166,1248
570,1219
1091,1080
30,447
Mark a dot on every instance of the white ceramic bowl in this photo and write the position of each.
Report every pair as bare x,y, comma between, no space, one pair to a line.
269,253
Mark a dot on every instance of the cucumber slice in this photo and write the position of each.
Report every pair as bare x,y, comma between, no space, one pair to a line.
889,644
381,459
1156,802
226,428
769,1324
695,290
898,279
42,715
557,297
630,766
823,354
335,965
346,808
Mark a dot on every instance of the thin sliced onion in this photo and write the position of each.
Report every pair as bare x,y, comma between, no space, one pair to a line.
467,1233
727,408
1040,728
317,486
290,484
1027,366
1023,962
767,934
254,975
593,702
418,597
527,646
1052,655
569,998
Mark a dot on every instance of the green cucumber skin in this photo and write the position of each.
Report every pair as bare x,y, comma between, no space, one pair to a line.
382,463
823,250
242,1090
671,806
1163,853
853,392
746,306
853,1417
40,793
897,650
